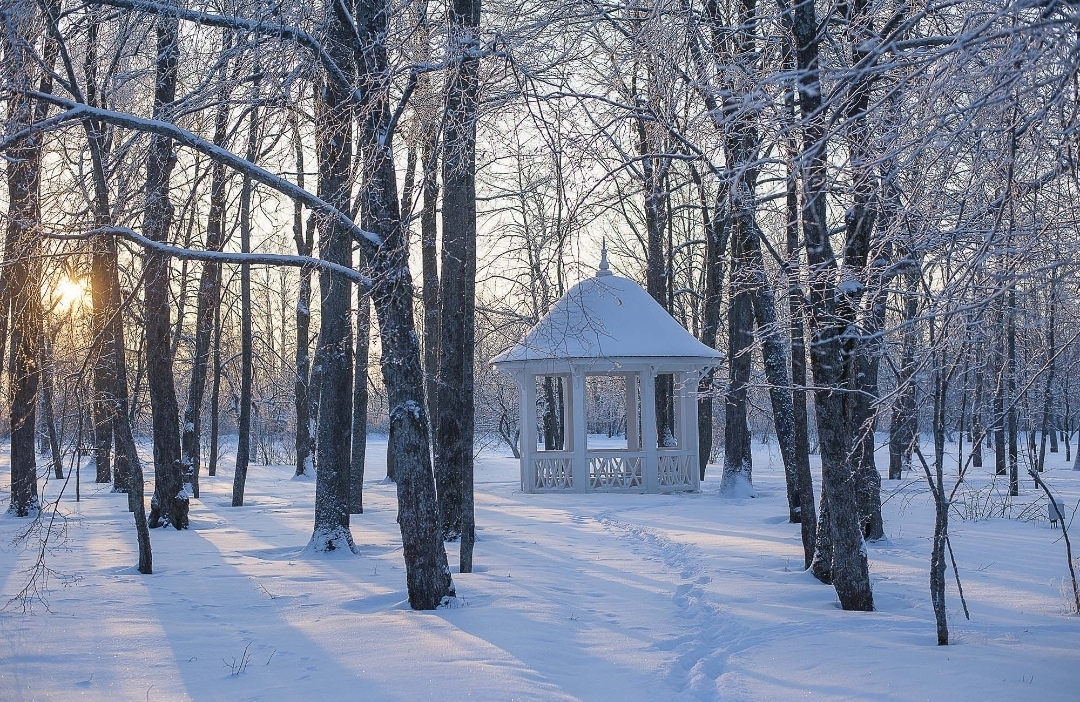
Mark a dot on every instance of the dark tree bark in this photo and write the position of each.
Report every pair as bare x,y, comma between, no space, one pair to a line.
1010,379
107,320
775,360
740,148
737,478
429,251
830,318
215,393
170,502
808,517
209,293
1048,387
457,288
104,381
21,294
904,427
429,254
1000,372
977,428
24,285
305,242
715,246
47,405
859,260
936,481
360,402
654,168
1066,434
427,573
243,443
334,148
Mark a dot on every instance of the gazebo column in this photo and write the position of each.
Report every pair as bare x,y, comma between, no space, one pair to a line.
527,436
580,430
650,469
633,435
688,424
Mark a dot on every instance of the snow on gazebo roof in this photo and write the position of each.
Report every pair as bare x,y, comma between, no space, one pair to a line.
606,317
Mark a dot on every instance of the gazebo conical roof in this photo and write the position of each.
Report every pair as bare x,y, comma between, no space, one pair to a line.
606,317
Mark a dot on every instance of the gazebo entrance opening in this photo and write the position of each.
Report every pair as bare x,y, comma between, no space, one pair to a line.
611,412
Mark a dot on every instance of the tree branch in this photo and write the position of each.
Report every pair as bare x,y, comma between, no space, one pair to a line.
221,256
367,240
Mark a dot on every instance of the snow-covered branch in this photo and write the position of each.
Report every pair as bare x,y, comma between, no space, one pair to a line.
232,258
366,239
230,22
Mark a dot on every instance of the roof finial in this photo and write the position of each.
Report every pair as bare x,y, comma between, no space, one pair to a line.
604,269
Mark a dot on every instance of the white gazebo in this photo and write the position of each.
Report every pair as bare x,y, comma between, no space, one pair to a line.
608,329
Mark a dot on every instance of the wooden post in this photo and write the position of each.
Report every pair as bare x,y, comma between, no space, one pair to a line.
577,421
650,469
689,427
527,436
633,429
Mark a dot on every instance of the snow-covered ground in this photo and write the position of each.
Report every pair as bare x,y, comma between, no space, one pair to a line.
574,597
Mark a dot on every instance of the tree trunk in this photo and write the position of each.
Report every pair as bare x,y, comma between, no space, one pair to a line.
243,442
454,429
360,402
305,242
333,134
170,502
108,325
774,358
215,395
104,380
1010,379
429,251
859,265
1001,369
941,507
209,293
427,573
715,246
807,513
657,281
904,427
977,428
24,285
1048,387
47,406
737,479
850,573
22,290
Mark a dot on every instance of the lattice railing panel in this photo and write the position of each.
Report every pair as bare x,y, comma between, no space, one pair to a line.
554,474
615,472
675,470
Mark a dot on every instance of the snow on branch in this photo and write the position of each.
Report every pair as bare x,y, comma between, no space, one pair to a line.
230,22
76,110
221,256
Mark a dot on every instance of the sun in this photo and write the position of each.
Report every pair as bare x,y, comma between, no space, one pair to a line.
69,293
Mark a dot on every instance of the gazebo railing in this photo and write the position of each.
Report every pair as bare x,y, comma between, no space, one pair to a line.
616,470
553,471
675,470
613,470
